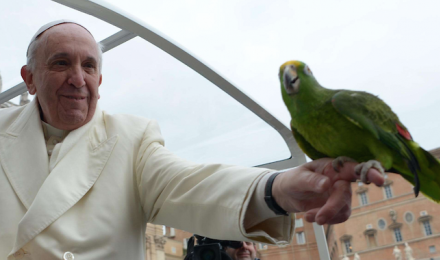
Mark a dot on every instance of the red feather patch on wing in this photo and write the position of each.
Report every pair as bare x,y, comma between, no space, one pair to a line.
403,132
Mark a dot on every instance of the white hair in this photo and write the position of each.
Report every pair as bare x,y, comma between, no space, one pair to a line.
35,44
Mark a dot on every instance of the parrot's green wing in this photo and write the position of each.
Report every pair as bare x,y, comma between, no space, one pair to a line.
375,116
372,114
306,146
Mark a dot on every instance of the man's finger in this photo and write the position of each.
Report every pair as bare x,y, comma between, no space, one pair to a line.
311,215
347,173
374,176
342,216
340,197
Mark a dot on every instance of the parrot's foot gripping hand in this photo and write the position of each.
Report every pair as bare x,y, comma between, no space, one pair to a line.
338,163
362,169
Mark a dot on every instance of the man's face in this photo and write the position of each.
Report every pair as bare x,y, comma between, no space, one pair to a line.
66,76
247,252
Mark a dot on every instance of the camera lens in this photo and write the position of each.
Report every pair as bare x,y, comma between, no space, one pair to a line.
207,254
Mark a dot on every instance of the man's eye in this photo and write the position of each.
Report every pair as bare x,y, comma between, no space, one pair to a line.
89,65
60,63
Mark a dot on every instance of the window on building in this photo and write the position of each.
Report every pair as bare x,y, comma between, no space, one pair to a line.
397,235
371,241
388,192
364,199
427,227
299,223
300,238
262,246
381,223
347,246
431,249
409,217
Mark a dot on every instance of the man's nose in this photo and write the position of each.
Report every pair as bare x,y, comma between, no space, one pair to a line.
247,246
76,77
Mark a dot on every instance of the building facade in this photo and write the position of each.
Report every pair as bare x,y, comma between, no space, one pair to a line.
385,218
302,247
382,219
154,242
175,248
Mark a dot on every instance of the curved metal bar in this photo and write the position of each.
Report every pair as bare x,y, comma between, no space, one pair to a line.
118,18
116,40
11,93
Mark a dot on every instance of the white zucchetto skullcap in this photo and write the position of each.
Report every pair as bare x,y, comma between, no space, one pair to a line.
50,25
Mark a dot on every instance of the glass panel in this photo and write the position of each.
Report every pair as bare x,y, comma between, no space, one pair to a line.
388,192
198,120
300,238
364,199
409,217
22,19
427,227
397,234
381,224
348,248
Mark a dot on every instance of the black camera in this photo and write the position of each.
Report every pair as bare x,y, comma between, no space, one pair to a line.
209,249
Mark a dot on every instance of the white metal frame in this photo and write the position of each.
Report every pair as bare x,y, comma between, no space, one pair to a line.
132,27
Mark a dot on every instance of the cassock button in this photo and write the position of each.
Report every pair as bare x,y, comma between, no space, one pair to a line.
68,256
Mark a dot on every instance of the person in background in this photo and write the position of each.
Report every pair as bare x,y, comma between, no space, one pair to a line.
247,252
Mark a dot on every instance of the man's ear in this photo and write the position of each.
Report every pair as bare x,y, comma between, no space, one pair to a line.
100,81
27,77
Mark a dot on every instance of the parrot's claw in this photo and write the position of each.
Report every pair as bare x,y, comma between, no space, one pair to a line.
338,163
362,169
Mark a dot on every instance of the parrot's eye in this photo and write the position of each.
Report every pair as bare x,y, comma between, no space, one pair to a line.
307,71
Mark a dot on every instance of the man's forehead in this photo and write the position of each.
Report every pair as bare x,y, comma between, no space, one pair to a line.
50,25
66,30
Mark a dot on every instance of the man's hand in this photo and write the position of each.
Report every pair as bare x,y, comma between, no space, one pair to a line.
318,190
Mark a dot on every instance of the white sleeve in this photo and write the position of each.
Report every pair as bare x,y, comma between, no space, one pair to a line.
206,199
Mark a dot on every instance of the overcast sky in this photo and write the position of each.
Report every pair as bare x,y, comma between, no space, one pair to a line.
388,48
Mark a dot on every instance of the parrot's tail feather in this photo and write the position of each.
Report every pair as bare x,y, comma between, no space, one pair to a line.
413,164
433,163
416,179
430,173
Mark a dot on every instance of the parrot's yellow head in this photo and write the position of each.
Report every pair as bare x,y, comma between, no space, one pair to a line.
292,73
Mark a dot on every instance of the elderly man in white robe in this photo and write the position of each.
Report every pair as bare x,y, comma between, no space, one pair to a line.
78,183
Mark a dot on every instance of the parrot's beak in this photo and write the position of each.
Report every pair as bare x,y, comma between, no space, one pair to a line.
291,80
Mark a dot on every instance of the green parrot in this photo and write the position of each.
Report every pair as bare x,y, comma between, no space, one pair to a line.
354,125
